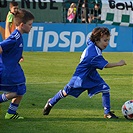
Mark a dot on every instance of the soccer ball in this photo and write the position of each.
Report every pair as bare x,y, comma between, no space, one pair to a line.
127,109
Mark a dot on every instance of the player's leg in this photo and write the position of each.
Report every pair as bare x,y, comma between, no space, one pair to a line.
104,89
61,94
106,104
11,113
7,96
11,92
12,110
52,101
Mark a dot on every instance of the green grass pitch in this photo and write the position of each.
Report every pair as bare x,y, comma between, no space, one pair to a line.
47,73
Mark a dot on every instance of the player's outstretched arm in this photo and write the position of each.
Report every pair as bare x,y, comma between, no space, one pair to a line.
120,63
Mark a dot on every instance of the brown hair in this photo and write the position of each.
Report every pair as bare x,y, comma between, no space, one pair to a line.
23,16
13,3
98,33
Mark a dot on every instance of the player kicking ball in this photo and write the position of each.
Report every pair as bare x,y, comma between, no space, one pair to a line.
86,76
12,78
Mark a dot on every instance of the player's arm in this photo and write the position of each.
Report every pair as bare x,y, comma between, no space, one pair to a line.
7,32
1,50
120,63
22,59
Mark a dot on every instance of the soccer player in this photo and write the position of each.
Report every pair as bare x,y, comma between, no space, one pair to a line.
12,78
10,26
86,76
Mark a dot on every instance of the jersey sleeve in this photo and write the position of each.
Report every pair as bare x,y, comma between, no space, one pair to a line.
99,62
8,43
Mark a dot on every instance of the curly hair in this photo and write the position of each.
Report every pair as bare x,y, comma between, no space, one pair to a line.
98,33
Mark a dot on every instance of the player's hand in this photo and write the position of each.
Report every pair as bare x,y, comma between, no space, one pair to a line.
22,59
122,63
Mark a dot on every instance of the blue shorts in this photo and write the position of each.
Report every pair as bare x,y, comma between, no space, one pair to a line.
19,89
91,91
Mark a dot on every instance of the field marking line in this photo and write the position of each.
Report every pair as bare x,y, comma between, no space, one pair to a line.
56,82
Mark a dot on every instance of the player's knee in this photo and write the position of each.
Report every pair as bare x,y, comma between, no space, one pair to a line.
64,93
9,95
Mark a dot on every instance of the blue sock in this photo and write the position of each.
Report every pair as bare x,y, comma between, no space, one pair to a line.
56,98
3,98
106,102
12,108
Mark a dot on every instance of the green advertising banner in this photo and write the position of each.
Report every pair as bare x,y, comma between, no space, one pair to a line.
43,10
117,12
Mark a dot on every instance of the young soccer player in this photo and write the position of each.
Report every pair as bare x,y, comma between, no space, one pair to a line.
86,76
10,26
12,78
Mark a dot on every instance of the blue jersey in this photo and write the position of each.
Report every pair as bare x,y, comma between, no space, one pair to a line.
12,73
1,64
86,75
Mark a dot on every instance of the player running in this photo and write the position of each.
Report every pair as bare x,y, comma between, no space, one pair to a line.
12,78
86,76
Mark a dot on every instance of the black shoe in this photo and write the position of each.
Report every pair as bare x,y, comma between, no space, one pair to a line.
47,108
110,115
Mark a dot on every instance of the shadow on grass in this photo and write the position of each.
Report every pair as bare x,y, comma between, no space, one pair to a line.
65,119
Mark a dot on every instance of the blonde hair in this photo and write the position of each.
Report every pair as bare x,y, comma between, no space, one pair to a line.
72,5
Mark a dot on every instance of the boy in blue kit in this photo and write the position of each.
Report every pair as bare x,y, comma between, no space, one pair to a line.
86,76
12,78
